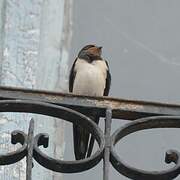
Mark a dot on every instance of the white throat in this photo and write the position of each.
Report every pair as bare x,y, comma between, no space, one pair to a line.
90,78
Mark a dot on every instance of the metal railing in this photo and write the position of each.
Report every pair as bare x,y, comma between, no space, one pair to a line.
76,109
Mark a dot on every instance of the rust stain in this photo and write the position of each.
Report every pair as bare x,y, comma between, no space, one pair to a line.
126,106
119,105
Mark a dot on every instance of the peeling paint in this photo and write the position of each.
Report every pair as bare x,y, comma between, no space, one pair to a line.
33,55
130,106
3,121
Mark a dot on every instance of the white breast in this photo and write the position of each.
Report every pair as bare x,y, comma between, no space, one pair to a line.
90,78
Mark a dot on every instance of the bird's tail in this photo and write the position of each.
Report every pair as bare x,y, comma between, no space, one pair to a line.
81,139
91,143
82,145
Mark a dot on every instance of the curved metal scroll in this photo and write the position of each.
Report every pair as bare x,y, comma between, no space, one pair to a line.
41,139
30,144
15,156
141,124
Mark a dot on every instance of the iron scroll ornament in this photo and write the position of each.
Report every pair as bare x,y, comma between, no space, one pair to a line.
15,156
31,144
141,124
42,139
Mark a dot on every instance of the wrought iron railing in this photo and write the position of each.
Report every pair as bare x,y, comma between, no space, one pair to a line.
76,109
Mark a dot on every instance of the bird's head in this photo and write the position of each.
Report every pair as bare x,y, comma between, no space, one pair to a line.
91,51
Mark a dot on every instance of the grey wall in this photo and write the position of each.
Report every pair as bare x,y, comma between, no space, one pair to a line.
141,43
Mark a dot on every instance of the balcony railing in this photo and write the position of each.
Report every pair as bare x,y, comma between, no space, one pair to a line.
76,109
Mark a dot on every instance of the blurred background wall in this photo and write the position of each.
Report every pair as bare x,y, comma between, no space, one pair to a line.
34,44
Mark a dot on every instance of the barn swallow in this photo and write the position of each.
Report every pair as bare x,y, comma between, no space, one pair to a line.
89,76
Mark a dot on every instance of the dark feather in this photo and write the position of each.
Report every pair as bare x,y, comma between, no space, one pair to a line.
87,47
108,81
72,76
81,139
92,139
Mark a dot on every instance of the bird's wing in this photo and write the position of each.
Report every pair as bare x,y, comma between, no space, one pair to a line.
80,135
108,81
72,76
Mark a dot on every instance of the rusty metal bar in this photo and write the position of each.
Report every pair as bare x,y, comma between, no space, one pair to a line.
121,108
106,163
29,160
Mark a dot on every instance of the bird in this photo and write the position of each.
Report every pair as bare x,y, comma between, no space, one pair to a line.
89,76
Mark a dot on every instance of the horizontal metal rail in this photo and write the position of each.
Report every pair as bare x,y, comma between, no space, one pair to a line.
121,108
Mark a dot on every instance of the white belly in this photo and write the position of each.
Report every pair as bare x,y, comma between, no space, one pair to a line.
90,78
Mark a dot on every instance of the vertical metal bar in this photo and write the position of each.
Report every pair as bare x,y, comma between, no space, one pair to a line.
30,141
106,162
